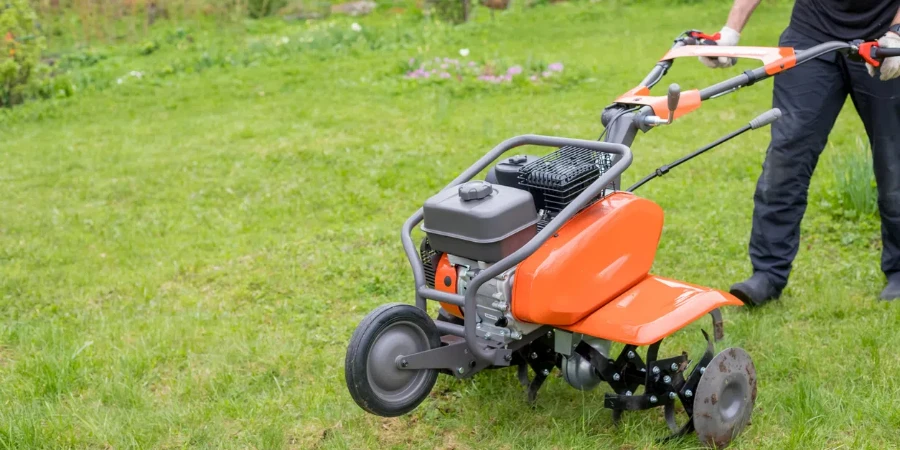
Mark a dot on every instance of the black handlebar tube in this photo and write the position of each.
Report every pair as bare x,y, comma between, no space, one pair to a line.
883,52
500,356
752,76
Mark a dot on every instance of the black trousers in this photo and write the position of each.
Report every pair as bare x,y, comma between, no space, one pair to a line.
810,97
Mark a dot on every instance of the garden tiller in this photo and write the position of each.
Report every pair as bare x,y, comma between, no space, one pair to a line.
545,264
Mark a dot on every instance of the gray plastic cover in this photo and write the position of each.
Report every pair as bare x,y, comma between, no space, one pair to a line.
502,213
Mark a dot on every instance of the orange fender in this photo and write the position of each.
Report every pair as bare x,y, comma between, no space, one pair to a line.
652,310
599,254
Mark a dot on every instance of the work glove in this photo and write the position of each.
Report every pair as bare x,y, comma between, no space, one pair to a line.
727,36
890,67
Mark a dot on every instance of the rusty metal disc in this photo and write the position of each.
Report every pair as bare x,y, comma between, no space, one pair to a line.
725,398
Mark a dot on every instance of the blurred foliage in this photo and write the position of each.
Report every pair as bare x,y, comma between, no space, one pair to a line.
20,51
853,194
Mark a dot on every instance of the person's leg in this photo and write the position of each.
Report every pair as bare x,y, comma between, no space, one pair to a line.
878,105
810,97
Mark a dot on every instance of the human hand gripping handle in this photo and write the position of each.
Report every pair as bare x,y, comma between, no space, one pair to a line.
727,36
888,48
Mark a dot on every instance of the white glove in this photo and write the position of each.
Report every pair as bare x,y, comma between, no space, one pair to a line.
890,67
726,37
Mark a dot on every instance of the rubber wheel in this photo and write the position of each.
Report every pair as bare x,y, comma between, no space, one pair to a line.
725,398
375,382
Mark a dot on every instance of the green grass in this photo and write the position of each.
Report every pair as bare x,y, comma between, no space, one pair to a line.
183,258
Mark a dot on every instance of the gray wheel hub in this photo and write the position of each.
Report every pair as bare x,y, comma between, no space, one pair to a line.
387,380
725,398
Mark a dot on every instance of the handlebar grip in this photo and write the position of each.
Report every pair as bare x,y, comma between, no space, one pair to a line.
708,42
765,118
882,52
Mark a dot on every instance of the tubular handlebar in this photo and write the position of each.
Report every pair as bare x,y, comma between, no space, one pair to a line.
882,52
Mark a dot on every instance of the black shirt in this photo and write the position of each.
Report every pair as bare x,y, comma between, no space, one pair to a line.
843,20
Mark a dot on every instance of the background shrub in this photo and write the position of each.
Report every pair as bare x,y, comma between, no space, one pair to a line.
20,50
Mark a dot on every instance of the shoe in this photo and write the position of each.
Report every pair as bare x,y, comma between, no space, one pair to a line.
759,290
892,291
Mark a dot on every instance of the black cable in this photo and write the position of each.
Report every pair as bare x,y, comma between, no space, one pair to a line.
614,119
662,170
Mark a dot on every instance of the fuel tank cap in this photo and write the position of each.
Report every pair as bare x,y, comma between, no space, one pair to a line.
475,190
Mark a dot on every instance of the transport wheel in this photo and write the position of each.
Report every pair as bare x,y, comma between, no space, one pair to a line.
725,398
375,382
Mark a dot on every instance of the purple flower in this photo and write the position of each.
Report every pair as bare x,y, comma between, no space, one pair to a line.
546,74
489,78
445,75
533,78
471,63
556,67
443,66
514,70
506,77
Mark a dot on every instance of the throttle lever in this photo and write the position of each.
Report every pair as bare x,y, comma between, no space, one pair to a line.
674,96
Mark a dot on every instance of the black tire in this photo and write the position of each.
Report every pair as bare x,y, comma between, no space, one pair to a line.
376,384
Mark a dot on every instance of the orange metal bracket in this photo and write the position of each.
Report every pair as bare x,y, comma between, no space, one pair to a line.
651,311
690,100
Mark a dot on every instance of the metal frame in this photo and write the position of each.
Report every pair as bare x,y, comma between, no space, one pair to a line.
479,348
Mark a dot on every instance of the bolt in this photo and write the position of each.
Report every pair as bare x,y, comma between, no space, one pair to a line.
630,355
674,366
667,379
404,363
533,355
653,399
549,334
616,377
545,372
487,335
460,370
702,370
672,395
688,393
507,358
628,393
478,326
515,335
655,370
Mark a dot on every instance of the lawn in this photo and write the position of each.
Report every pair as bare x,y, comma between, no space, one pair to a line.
185,254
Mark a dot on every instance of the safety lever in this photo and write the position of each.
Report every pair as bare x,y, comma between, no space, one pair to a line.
759,121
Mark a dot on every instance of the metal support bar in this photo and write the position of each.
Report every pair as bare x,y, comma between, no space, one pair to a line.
455,358
718,325
446,297
450,328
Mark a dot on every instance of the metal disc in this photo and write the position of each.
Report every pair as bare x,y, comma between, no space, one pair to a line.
386,379
725,398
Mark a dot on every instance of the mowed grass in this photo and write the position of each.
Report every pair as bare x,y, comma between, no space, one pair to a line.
182,263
